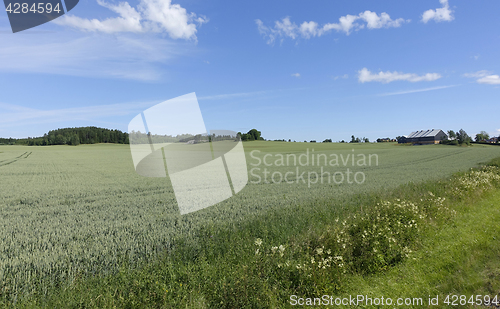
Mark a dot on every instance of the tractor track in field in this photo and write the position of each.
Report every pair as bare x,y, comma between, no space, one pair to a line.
25,155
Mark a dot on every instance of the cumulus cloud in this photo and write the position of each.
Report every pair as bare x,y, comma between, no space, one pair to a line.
285,28
373,21
159,16
440,14
296,74
484,77
364,75
490,80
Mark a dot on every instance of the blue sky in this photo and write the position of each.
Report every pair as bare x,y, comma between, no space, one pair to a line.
293,69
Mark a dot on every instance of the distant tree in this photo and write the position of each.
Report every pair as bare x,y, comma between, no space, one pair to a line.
312,141
328,140
463,137
482,136
452,135
75,141
366,140
255,134
252,135
386,139
342,141
353,139
60,139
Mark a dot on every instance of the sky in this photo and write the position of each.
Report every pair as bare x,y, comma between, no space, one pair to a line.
296,70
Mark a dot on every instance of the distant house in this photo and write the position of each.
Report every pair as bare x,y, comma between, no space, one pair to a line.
492,140
424,137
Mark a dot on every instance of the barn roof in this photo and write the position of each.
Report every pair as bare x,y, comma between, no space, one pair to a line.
423,133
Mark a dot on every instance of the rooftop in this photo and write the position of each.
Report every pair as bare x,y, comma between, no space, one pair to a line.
423,133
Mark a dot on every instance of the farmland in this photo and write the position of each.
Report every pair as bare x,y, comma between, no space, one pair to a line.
72,211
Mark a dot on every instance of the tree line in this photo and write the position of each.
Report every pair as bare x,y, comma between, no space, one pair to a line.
72,136
457,138
94,135
462,138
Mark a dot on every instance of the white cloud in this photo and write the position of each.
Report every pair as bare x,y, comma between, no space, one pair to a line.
348,23
484,77
160,16
490,80
440,14
286,27
296,74
137,57
478,74
265,31
373,21
364,75
345,76
308,29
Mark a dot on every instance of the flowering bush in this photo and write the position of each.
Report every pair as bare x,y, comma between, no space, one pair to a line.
484,178
364,242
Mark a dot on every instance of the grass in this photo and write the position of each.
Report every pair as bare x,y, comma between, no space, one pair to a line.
459,258
495,162
106,230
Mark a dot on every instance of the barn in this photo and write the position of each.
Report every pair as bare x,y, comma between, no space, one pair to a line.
424,137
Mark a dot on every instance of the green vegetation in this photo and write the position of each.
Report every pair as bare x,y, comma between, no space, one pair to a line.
72,136
457,258
252,135
387,140
81,229
459,138
359,140
482,136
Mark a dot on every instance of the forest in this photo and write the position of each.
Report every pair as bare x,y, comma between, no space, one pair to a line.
72,136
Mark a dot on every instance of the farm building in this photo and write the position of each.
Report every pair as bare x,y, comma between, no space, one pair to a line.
424,137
